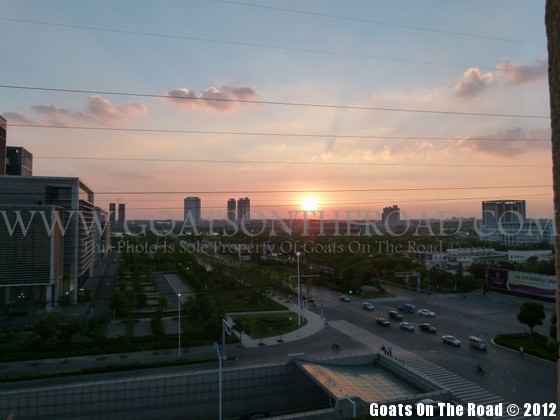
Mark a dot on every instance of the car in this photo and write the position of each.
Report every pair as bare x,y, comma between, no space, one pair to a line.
407,326
344,298
368,306
407,307
449,339
114,260
425,402
383,321
429,328
426,312
395,315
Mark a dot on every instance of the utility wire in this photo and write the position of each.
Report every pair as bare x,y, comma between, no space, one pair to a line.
378,22
244,44
333,190
276,103
276,134
284,162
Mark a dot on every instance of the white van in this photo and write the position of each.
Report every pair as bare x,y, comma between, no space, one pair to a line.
478,343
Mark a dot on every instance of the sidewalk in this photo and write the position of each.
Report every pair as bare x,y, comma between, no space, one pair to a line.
315,323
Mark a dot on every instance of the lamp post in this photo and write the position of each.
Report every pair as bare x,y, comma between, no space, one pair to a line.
298,291
217,348
179,324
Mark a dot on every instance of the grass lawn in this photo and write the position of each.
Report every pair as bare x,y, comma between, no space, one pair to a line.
531,345
373,295
244,299
260,326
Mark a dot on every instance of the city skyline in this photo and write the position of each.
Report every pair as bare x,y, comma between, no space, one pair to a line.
431,71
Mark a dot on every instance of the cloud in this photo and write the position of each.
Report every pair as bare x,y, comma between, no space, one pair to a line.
17,118
474,82
489,146
519,74
98,109
219,99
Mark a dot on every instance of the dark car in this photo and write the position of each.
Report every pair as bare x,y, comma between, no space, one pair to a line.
429,328
382,321
395,315
407,307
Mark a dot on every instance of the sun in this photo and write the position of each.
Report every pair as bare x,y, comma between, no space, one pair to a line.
310,204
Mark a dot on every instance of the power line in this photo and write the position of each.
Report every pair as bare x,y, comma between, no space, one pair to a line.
277,103
276,134
333,190
378,22
246,44
283,162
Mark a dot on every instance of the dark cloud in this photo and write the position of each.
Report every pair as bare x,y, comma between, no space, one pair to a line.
487,145
98,109
219,99
474,82
17,118
519,74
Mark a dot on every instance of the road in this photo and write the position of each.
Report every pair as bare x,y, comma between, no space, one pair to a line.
508,374
101,302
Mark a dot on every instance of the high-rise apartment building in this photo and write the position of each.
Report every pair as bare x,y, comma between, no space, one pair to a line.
244,209
391,216
231,209
192,209
122,215
503,211
113,215
19,161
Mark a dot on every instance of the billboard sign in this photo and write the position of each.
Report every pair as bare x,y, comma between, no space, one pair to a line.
541,286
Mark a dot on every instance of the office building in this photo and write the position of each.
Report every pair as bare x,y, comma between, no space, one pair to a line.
391,216
231,209
122,215
192,210
244,209
113,215
19,161
505,221
75,200
3,135
503,211
32,261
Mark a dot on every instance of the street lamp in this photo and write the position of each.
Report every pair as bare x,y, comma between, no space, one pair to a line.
298,290
217,348
179,324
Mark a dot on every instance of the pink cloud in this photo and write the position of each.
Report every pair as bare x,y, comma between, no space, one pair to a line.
474,82
519,74
219,99
17,118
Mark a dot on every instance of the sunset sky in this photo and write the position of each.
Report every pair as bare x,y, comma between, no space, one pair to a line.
478,57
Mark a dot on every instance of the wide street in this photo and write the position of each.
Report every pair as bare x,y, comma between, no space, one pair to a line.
508,374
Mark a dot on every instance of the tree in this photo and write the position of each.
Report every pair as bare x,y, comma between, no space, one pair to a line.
531,314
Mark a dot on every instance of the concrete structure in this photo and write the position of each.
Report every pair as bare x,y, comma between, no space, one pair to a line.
31,260
76,200
530,231
391,216
243,209
451,258
19,161
192,210
301,388
3,135
504,211
231,210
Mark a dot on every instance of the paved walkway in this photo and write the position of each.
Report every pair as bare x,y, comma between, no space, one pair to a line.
462,389
314,324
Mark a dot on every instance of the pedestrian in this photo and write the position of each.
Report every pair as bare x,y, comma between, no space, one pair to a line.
391,351
521,350
383,348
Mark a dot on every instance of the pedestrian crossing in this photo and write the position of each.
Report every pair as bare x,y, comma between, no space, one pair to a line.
462,390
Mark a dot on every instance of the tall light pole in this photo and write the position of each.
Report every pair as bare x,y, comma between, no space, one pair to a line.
217,348
298,291
179,324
